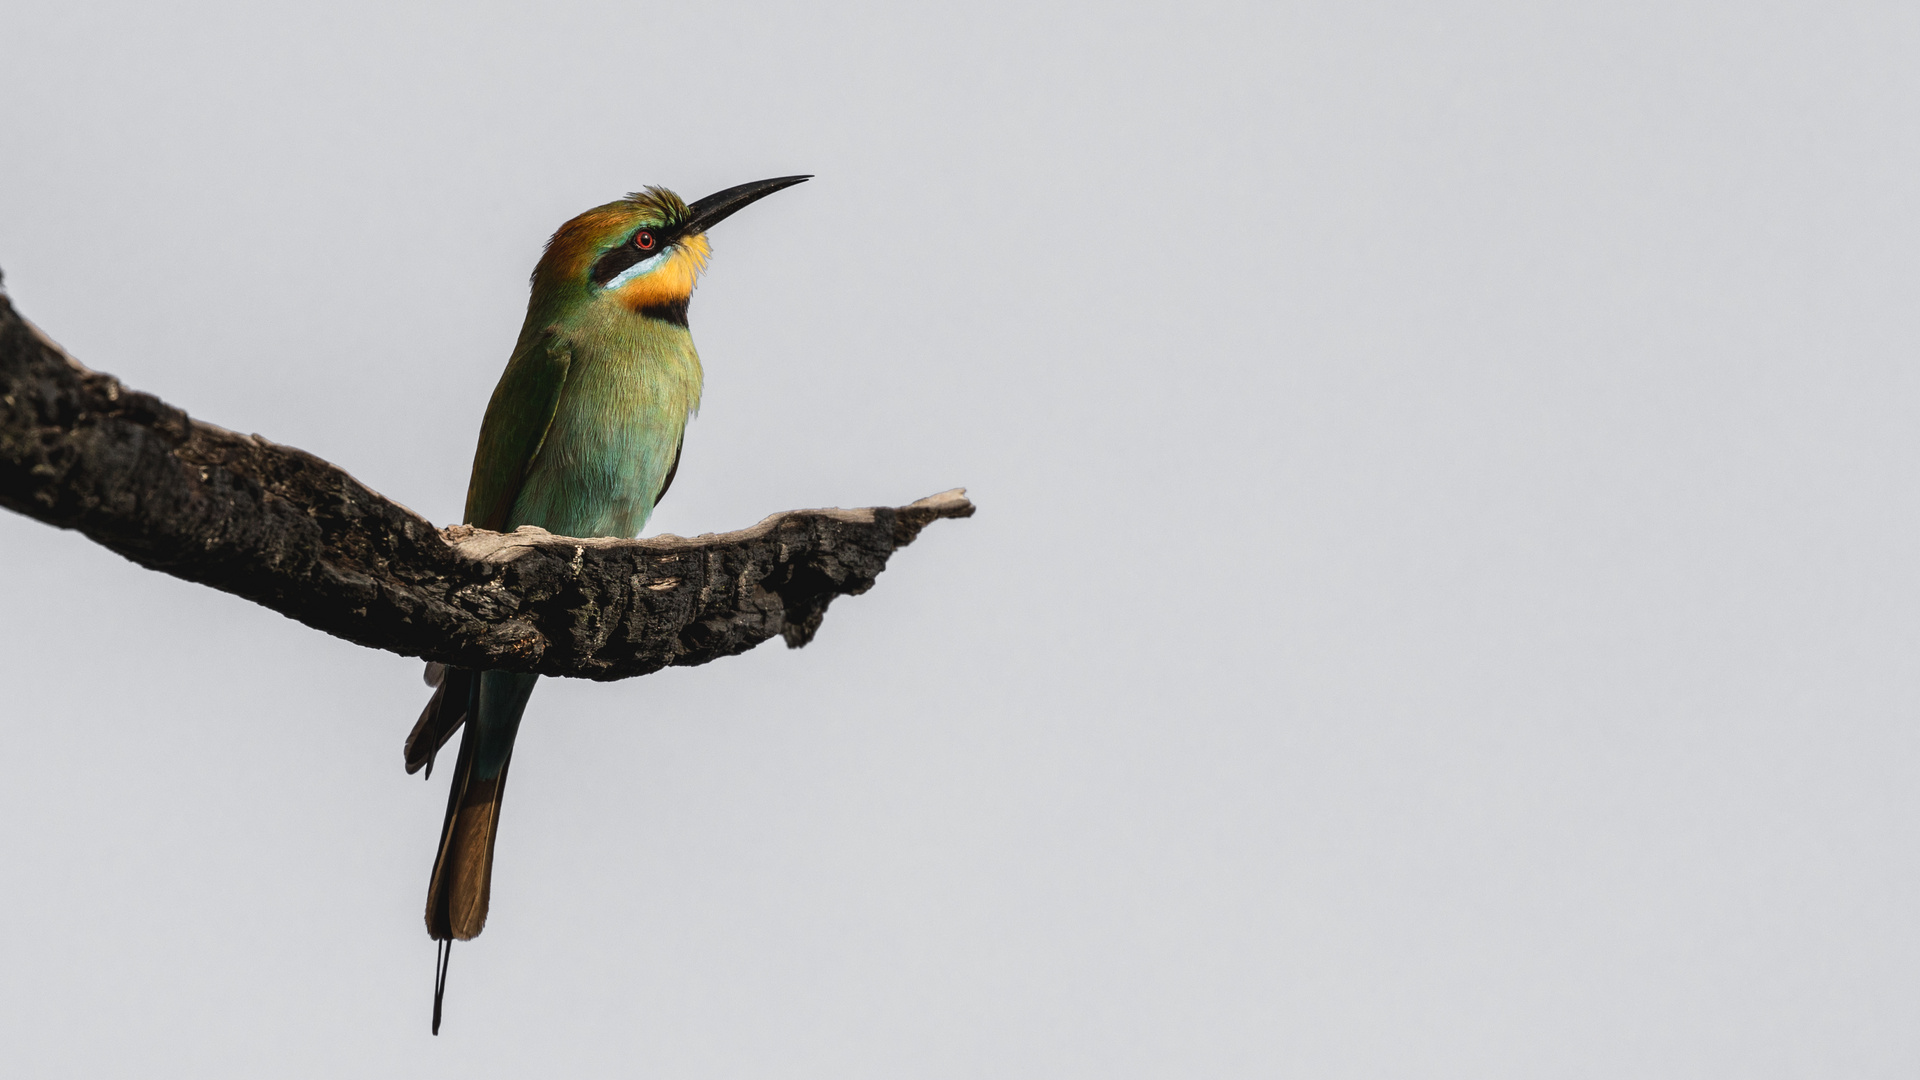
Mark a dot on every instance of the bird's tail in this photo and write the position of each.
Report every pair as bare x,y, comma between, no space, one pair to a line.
462,879
463,869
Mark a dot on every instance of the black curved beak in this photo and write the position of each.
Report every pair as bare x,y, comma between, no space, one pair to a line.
717,207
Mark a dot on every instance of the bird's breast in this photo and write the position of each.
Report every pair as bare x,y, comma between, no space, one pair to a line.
614,435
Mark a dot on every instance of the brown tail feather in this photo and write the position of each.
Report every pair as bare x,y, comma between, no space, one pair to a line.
463,871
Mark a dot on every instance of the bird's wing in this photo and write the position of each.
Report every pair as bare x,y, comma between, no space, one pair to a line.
672,470
445,712
516,424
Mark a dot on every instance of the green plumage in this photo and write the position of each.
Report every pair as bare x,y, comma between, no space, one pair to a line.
581,438
582,430
585,426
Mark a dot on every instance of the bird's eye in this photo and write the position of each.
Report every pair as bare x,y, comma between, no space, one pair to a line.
643,240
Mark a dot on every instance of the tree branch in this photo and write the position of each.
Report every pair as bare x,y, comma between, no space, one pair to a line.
294,533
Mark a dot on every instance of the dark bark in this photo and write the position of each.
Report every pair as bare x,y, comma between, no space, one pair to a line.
292,532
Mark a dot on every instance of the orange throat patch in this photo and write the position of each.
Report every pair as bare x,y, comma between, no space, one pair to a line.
671,282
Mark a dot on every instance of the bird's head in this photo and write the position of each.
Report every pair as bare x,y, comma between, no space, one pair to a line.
643,252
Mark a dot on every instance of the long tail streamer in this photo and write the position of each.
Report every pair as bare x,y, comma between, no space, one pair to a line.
442,955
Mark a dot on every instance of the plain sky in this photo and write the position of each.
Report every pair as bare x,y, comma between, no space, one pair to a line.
1443,601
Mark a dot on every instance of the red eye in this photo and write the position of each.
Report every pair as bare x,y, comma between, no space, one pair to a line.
643,240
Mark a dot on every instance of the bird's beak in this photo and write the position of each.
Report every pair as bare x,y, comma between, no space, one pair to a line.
720,205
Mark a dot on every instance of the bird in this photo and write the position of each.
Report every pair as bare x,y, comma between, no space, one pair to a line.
582,437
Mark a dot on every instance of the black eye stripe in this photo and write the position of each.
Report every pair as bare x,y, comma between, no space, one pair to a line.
609,265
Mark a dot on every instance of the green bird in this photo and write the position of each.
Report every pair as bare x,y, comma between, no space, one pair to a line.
582,438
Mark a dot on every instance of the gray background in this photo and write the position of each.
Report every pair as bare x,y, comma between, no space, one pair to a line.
1443,602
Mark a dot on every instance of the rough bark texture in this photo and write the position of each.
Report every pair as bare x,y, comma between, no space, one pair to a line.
292,532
